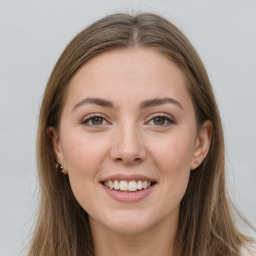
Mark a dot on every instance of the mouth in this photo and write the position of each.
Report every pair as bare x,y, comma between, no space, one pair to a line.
128,188
128,185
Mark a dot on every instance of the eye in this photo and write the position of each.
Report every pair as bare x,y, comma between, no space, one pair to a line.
94,120
161,120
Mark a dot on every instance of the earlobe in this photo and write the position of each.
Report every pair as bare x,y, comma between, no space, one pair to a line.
202,144
57,150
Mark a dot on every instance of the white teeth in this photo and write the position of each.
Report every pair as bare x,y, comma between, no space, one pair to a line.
139,184
124,185
132,186
116,185
144,184
110,184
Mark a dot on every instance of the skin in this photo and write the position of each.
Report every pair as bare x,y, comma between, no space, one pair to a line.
130,140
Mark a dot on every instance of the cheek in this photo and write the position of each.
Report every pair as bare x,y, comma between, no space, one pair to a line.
82,153
173,158
83,158
175,153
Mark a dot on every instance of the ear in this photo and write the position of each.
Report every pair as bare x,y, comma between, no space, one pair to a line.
54,137
202,145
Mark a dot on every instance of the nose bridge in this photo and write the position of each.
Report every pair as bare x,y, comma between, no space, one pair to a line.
128,144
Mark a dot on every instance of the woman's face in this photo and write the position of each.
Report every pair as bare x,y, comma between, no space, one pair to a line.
128,139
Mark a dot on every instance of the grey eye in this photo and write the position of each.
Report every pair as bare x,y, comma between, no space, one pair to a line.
97,120
159,120
94,121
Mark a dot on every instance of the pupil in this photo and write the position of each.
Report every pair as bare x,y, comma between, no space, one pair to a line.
97,120
159,121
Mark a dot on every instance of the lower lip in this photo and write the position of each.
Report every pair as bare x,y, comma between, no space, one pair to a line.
128,197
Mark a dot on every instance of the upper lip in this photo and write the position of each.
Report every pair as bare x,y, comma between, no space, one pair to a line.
134,177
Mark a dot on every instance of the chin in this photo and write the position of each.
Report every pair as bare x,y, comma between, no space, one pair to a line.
126,223
130,228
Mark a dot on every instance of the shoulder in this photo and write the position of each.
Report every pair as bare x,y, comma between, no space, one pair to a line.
249,250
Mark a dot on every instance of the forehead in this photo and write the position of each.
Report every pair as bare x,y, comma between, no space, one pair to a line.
128,74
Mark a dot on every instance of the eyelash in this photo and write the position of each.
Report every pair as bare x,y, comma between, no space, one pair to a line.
90,118
169,120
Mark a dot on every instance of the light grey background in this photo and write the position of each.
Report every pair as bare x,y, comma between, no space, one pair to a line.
33,35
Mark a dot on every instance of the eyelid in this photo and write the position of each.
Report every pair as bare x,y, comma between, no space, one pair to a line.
167,117
88,117
171,120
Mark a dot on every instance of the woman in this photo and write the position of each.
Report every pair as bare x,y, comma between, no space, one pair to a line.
130,148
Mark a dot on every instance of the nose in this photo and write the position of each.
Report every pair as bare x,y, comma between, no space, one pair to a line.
128,146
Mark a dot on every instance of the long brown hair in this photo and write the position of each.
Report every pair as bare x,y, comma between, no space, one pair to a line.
206,226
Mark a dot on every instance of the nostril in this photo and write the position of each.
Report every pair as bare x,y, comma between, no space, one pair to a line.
127,160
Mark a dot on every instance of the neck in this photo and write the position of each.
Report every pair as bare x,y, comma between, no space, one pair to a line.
157,240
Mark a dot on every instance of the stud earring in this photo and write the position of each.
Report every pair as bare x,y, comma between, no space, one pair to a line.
59,167
196,162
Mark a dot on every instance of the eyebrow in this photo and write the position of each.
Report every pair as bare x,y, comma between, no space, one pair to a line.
144,104
159,101
96,101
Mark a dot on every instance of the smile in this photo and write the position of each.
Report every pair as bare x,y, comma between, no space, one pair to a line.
123,185
128,188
